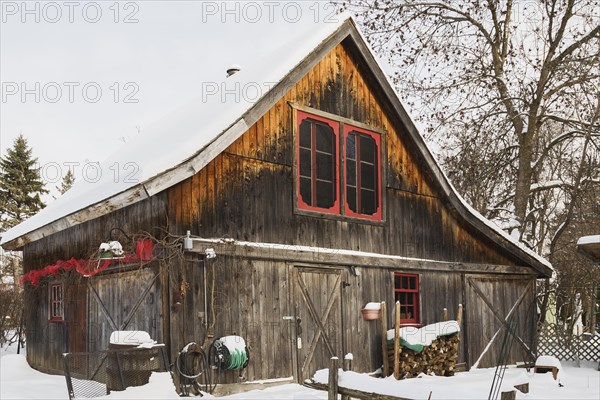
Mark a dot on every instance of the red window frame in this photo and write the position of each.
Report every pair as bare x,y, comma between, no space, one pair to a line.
56,302
302,205
410,289
377,215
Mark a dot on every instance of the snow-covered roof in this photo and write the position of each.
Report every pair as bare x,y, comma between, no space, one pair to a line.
592,239
181,144
590,246
189,131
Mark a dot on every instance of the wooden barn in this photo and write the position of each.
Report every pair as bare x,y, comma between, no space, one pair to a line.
308,192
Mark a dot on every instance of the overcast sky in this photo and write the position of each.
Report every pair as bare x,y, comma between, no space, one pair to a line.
79,77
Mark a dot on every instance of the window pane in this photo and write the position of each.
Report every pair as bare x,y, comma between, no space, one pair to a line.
325,194
350,173
396,282
413,282
351,147
367,176
305,165
325,138
305,133
367,149
351,198
368,202
325,167
305,190
404,282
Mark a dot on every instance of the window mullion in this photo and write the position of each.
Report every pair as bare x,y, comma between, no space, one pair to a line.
313,163
358,180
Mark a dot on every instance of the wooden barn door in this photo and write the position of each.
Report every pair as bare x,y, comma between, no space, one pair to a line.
490,304
76,317
318,312
123,301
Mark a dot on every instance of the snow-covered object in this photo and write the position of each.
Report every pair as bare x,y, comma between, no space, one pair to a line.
548,361
136,338
418,338
113,246
234,343
372,306
349,356
592,239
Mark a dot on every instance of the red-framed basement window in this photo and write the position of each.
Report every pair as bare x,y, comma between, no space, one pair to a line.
406,291
56,302
320,151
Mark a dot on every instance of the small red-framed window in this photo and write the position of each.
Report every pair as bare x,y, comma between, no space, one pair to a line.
56,302
318,164
406,291
362,167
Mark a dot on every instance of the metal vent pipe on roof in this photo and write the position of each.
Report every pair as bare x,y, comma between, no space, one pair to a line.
233,69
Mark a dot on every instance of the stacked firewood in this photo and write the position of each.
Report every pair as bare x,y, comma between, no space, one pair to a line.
439,358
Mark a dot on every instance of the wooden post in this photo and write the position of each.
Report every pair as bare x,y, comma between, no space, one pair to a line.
347,367
512,395
459,314
333,379
386,366
348,362
397,341
445,314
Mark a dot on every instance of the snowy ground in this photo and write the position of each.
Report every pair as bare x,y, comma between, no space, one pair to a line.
19,381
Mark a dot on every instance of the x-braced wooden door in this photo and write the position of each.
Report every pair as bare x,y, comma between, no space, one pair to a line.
123,301
317,297
491,303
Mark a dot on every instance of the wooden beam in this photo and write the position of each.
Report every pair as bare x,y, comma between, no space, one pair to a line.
357,394
386,366
336,257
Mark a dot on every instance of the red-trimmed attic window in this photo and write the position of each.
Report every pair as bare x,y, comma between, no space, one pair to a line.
363,177
354,190
317,155
56,303
406,291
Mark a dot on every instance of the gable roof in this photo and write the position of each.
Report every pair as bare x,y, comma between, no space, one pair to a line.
181,144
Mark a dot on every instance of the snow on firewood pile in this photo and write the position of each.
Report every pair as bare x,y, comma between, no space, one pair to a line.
418,338
432,349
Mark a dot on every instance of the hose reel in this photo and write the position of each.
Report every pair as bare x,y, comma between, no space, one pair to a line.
229,353
198,373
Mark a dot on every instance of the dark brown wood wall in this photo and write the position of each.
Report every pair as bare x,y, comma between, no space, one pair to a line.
252,297
246,192
48,340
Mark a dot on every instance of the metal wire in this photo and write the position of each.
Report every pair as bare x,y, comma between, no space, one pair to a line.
96,374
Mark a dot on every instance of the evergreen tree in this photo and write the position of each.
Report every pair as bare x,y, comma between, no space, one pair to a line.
20,185
67,182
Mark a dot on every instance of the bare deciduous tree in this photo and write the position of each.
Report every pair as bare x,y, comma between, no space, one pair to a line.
502,86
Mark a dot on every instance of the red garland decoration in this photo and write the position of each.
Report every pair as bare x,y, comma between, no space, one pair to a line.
87,268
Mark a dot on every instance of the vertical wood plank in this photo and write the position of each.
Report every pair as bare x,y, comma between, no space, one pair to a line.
386,368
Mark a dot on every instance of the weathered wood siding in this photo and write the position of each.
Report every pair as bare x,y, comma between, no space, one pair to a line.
252,297
48,340
246,192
